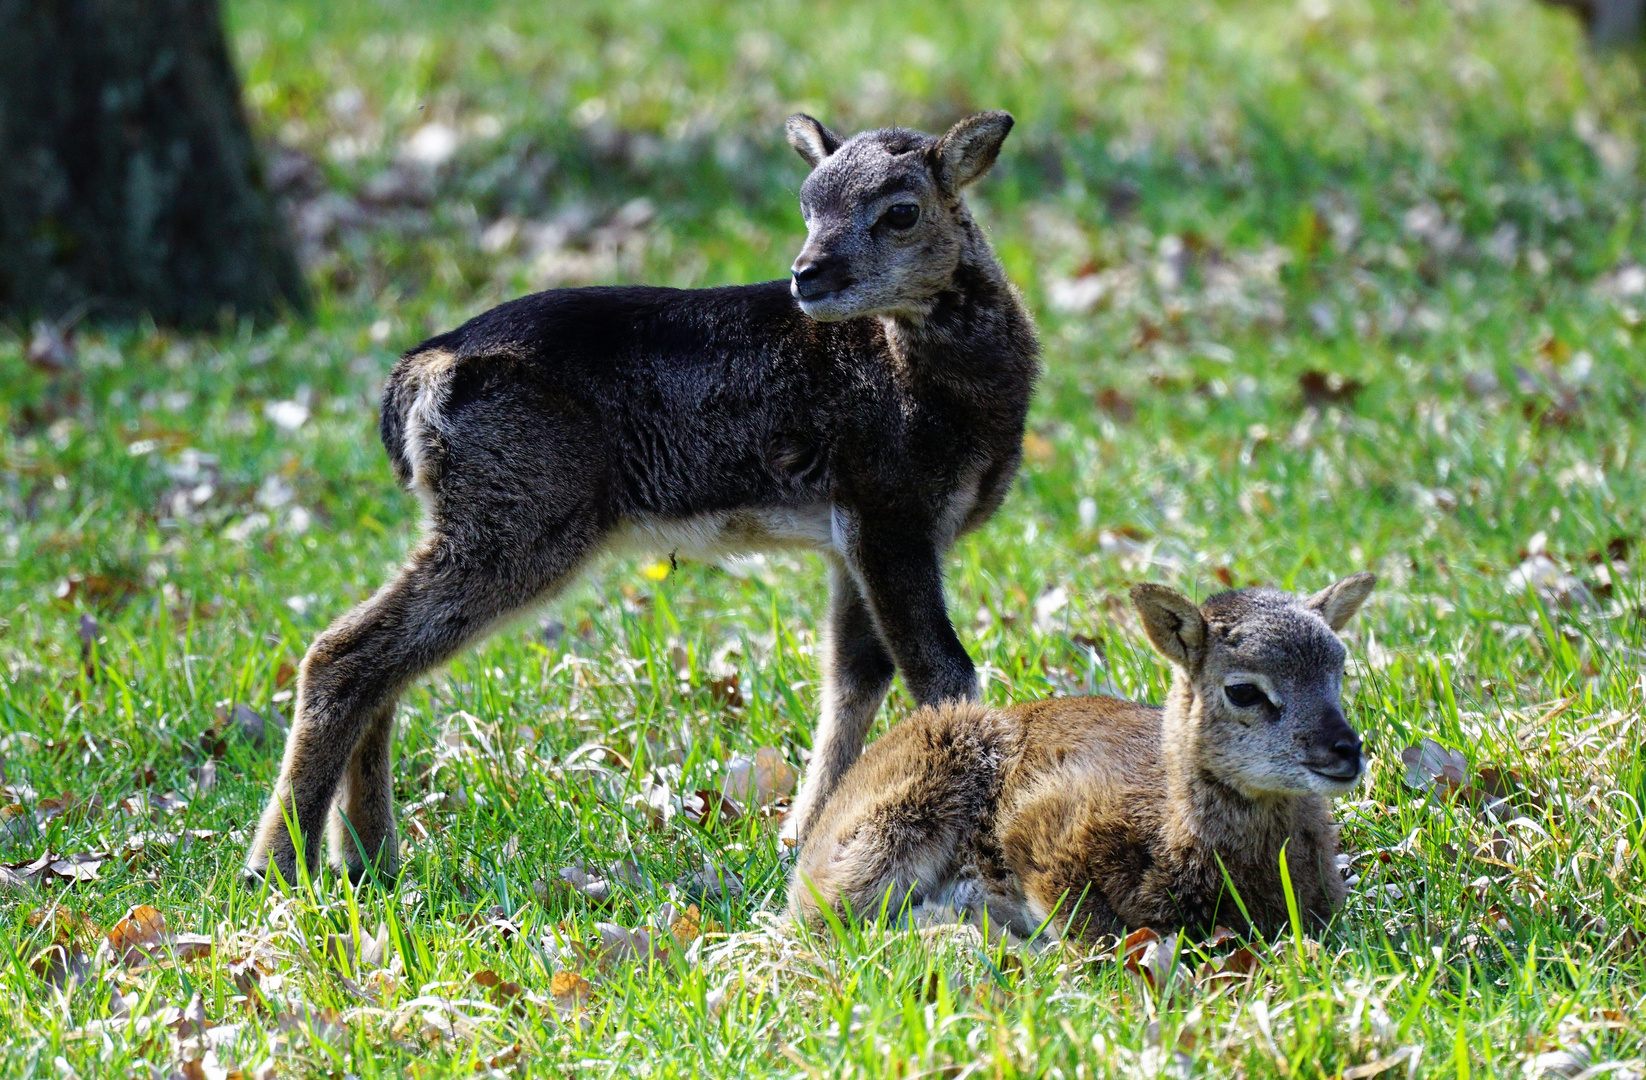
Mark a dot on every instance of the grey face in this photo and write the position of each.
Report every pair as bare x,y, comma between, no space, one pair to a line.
885,224
1267,674
1270,691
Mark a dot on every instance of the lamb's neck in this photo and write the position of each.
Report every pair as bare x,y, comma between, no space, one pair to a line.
1205,811
974,317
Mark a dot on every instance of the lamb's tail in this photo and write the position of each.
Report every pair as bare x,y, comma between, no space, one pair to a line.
410,425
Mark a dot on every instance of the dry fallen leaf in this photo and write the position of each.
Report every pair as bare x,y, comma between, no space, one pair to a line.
711,883
704,807
725,691
1430,764
69,807
760,780
64,932
1149,956
499,989
139,933
81,866
1322,388
570,991
192,946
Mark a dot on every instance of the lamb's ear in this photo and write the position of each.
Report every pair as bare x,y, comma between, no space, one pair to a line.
1338,602
1172,622
967,150
814,141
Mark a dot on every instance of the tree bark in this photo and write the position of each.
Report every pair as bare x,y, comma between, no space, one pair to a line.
129,182
1609,23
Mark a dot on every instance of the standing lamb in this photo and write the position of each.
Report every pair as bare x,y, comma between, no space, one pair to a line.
1092,815
870,408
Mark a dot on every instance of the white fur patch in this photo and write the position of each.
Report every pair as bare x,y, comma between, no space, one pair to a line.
709,537
428,375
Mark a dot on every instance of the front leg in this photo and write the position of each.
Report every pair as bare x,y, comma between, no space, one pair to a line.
901,573
857,672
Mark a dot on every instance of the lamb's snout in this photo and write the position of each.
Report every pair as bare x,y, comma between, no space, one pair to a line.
817,274
1335,750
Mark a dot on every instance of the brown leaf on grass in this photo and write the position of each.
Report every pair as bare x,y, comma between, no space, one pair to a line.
81,866
570,991
141,932
325,1025
725,691
618,944
1116,404
1149,956
21,875
577,880
69,807
500,990
760,780
1239,966
242,722
711,883
1130,949
1430,765
248,973
63,926
65,933
14,821
703,807
1323,388
1037,448
109,592
204,777
1242,961
687,925
192,946
504,1059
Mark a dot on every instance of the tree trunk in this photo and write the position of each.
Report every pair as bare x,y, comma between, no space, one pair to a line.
129,182
1610,23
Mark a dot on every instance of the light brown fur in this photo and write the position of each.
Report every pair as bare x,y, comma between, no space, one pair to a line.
1092,815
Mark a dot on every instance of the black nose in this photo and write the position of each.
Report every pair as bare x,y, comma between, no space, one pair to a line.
1337,747
819,275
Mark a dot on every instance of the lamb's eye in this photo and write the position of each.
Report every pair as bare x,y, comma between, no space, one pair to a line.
1244,695
902,216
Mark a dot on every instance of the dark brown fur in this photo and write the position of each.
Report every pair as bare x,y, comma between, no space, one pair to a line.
1094,815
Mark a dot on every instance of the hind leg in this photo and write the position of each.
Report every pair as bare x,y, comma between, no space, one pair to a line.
903,824
445,598
362,830
513,492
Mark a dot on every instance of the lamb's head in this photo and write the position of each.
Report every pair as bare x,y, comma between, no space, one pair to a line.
885,223
1257,700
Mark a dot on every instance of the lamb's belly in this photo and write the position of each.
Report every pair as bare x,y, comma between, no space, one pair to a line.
731,532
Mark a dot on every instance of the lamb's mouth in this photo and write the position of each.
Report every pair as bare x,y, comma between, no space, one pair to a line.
826,306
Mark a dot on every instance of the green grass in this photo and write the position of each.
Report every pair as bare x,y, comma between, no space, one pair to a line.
1431,200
